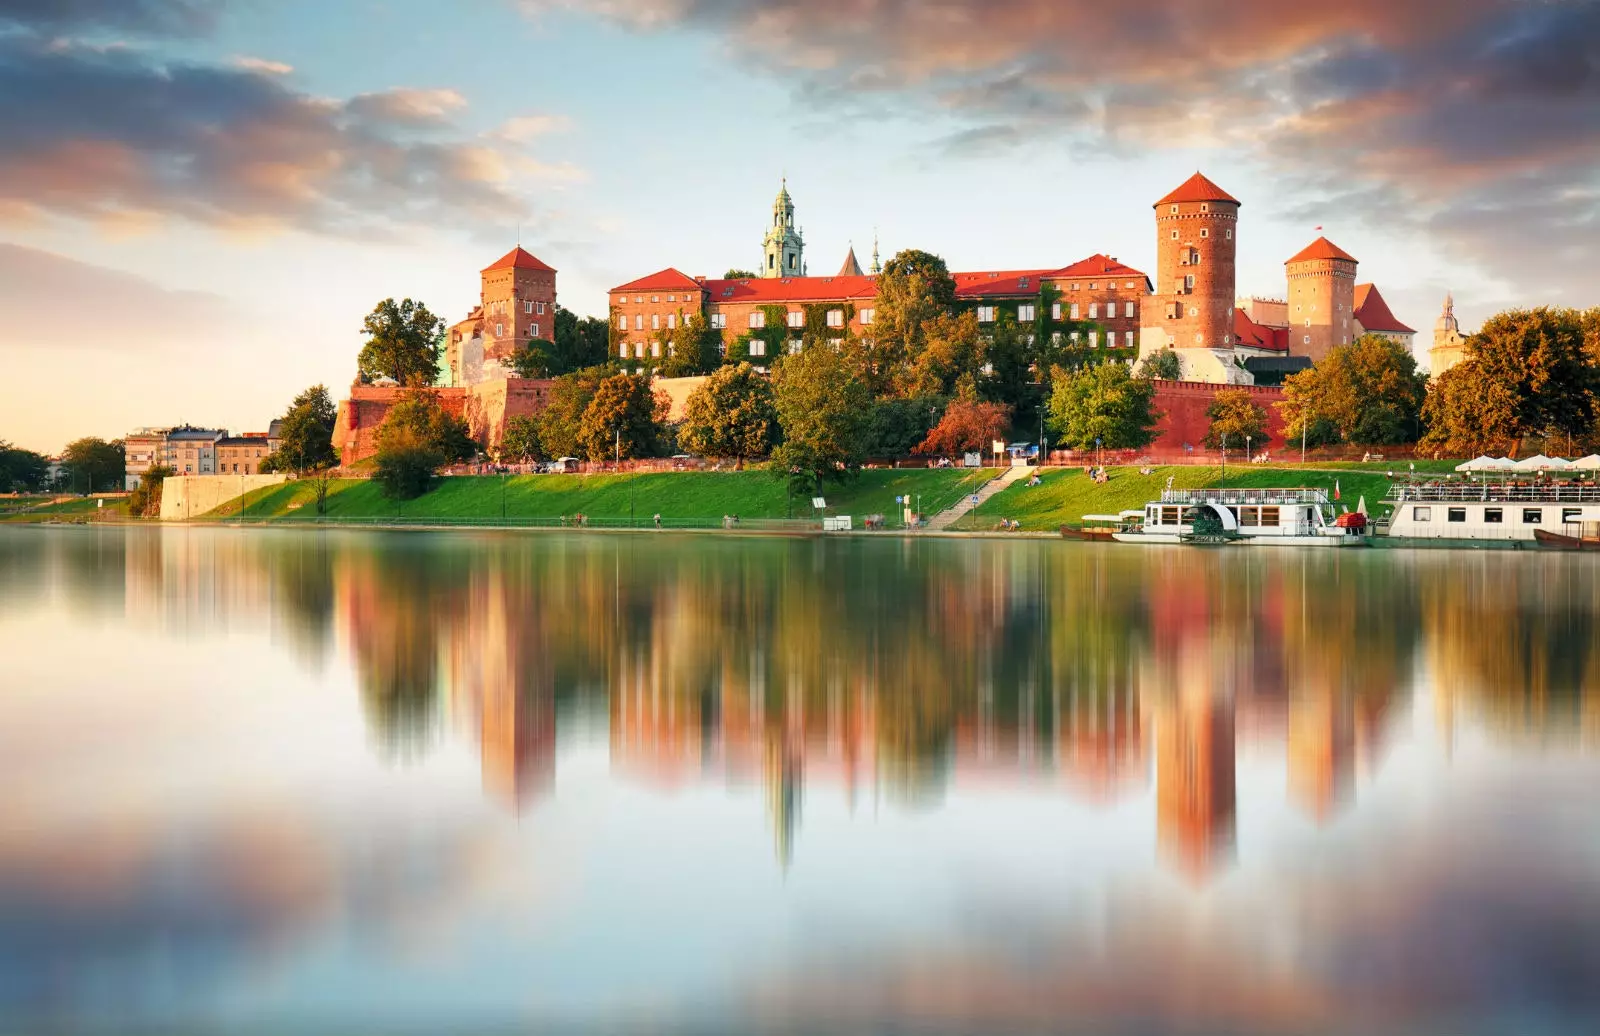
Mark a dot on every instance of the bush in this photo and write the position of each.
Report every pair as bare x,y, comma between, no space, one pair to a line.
406,470
145,500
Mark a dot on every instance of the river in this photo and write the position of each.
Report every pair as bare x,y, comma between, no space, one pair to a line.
339,781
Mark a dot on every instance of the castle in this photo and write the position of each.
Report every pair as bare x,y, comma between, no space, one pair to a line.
516,305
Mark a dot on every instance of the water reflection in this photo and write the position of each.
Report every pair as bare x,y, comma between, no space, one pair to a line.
1159,705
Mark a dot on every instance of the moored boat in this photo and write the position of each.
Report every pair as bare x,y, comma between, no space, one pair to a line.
1280,517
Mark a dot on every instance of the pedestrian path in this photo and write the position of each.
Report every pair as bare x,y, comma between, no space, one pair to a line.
947,518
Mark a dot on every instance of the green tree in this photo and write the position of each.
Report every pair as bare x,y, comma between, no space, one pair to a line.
306,434
624,419
561,421
406,465
145,500
732,415
403,343
94,464
1235,415
737,274
580,341
536,358
1103,402
896,426
1468,413
689,349
950,346
1161,365
1368,392
22,470
914,288
824,412
519,443
428,424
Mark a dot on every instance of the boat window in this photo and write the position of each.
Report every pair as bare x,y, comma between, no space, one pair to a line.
1571,515
1422,514
1494,515
1311,516
1456,514
1269,516
1249,517
1169,516
1532,515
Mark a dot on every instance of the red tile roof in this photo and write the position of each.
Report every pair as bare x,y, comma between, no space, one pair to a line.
792,289
1259,336
1322,248
1374,313
1198,188
983,284
1098,266
521,260
664,280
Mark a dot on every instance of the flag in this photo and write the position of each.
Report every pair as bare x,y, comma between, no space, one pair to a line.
1319,229
1336,490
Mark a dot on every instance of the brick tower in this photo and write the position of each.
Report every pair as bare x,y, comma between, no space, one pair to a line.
1322,299
1196,227
519,303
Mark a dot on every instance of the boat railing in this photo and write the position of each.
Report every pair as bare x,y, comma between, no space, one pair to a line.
1245,496
1494,492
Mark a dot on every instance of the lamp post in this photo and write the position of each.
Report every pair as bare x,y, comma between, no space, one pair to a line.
1224,458
502,497
1247,449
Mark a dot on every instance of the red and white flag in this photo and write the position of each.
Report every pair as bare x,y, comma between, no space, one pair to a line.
1336,489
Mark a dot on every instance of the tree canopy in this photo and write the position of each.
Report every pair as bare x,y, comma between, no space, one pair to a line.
914,289
1104,402
824,413
22,469
94,464
419,418
306,434
579,342
1161,365
623,419
737,274
561,421
403,343
688,349
732,415
1368,392
519,443
966,426
145,500
1236,416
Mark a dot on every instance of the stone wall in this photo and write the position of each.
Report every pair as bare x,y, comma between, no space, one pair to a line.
190,496
490,404
486,407
1183,413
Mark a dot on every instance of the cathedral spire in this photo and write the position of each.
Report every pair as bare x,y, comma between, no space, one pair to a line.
783,249
1447,319
877,267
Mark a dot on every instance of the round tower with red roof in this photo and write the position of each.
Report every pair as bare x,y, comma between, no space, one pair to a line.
1196,231
1322,293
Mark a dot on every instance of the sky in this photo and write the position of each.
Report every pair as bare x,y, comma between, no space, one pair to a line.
201,199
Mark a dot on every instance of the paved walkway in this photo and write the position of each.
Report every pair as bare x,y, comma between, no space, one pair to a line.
945,519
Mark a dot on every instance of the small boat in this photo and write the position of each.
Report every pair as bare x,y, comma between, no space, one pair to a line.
1281,517
1557,541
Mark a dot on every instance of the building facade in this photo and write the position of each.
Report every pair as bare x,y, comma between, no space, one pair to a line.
142,450
516,305
1322,298
783,250
1449,344
243,454
1192,310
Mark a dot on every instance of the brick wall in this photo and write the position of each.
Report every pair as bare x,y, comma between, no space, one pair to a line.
1183,413
485,407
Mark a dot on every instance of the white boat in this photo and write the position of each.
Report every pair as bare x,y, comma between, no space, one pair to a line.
1282,517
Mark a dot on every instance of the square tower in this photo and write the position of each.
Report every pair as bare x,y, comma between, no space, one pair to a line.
1322,299
519,303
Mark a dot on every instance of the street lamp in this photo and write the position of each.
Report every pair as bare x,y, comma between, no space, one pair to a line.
1224,458
1247,449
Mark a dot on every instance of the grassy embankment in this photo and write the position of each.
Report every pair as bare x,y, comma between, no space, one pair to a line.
1066,495
43,509
683,499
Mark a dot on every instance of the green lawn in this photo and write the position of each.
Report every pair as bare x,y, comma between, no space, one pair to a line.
681,498
83,509
1066,495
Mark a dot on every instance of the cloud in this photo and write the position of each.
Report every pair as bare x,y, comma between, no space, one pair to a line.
1464,114
151,17
115,136
523,128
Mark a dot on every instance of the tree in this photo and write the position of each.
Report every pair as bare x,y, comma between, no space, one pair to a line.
562,418
145,500
94,464
824,414
914,288
403,343
624,419
1235,415
1468,413
1369,392
306,434
1534,370
536,359
951,346
406,464
1161,365
966,426
1105,403
689,349
519,443
580,341
896,426
22,470
737,274
732,415
428,424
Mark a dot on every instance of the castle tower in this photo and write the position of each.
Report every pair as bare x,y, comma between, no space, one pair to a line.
1449,344
519,303
784,249
1196,226
851,268
1322,299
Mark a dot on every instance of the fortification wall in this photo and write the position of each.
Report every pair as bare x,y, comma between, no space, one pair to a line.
1183,407
190,496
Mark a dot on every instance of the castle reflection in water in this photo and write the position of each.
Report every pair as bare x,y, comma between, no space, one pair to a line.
908,671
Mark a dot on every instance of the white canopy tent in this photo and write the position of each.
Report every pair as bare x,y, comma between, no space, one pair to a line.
1589,463
1539,462
1487,463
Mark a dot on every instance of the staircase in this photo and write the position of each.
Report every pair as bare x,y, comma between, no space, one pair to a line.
945,519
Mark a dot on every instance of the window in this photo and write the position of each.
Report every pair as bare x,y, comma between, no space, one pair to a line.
985,314
794,346
1532,515
1127,310
1094,339
655,321
527,307
1571,515
622,322
1229,234
758,319
638,299
1055,311
655,349
533,330
1174,235
1073,336
1455,514
674,298
1074,287
797,318
1127,339
540,309
1174,210
1188,282
1074,311
1025,313
719,320
835,318
867,315
1094,310
1204,232
499,330
1307,340
1494,515
638,350
638,322
1094,286
655,298
758,348
672,321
